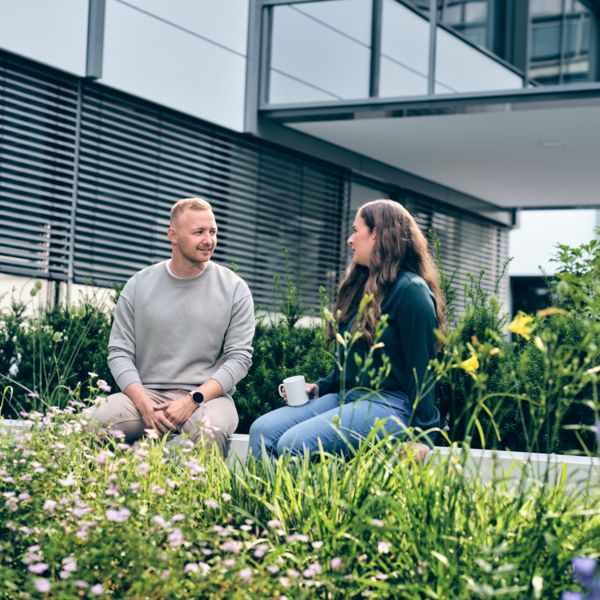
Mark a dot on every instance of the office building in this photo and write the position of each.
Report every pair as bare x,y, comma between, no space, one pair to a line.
287,116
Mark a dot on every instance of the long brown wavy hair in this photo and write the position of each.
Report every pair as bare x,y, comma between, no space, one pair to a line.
399,245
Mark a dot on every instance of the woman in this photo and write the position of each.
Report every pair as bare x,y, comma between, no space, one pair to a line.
392,263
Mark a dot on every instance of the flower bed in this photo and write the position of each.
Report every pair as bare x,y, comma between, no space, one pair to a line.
81,517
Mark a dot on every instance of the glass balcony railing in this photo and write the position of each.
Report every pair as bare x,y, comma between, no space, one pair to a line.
331,50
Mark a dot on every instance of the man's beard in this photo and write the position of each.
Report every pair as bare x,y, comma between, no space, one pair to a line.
193,258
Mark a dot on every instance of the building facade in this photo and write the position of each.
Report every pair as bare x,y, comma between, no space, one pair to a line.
286,116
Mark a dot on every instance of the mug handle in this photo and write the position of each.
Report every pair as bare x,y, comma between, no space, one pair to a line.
280,390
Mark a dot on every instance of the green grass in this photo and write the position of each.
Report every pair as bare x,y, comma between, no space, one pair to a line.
377,525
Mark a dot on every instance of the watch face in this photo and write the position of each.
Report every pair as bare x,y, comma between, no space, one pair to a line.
198,397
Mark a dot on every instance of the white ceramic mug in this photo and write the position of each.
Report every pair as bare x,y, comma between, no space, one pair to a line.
295,390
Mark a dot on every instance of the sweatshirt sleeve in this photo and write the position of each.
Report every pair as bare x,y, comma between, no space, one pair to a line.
237,345
330,383
121,344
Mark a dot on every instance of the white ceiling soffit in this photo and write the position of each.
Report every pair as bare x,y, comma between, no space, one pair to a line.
535,158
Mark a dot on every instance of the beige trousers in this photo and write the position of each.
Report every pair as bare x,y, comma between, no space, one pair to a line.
213,422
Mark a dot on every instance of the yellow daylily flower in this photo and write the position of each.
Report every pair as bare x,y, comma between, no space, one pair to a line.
522,325
470,365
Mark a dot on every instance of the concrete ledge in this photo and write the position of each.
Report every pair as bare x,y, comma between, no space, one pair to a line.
493,464
578,471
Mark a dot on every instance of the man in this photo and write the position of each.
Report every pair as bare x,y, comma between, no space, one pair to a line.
181,339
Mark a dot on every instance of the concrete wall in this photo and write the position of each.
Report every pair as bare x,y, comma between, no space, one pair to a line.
189,55
53,32
185,54
19,288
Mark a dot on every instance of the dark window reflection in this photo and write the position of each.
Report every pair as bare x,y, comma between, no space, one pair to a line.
471,18
529,294
560,41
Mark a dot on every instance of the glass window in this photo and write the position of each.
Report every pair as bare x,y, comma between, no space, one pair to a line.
320,51
470,18
404,64
545,41
462,68
560,41
540,8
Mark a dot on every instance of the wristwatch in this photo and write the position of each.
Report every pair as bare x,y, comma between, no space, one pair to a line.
197,397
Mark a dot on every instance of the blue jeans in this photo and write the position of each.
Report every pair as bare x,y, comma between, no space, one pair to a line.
292,429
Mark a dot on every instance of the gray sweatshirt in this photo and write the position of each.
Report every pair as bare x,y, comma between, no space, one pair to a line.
171,333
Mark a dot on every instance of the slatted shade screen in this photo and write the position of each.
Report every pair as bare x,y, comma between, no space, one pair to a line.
468,245
125,161
88,174
38,120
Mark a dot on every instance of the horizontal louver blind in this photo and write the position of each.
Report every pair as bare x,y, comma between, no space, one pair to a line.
38,116
468,245
136,159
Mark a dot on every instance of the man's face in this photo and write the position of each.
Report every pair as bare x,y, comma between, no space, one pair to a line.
194,236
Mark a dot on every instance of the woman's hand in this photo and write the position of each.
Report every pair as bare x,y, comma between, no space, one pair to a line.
312,390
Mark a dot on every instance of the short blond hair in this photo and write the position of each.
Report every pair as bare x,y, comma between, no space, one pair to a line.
185,203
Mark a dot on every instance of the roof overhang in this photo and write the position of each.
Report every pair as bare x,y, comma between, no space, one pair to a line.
530,148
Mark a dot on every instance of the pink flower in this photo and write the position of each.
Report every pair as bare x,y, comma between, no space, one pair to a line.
231,546
226,497
160,521
70,564
102,456
38,568
97,589
176,538
383,548
142,469
313,569
68,482
80,510
117,433
297,537
336,563
194,468
102,385
118,516
211,504
260,551
191,568
42,585
246,574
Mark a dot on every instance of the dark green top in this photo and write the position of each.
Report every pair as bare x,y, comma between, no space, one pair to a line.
409,343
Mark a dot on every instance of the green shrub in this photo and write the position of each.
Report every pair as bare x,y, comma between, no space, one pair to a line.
44,357
281,348
536,391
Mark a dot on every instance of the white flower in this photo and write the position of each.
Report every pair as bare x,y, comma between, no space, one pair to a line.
383,548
